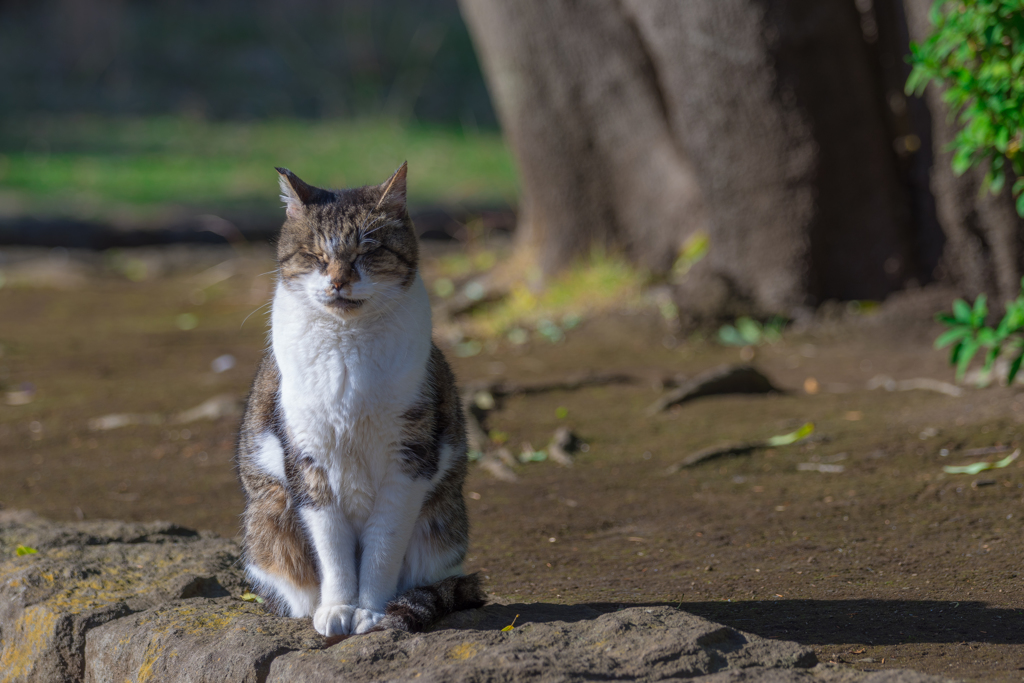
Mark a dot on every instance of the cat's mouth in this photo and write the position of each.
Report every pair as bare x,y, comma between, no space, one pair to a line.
340,303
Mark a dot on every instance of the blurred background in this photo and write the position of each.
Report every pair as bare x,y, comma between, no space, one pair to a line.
613,198
145,115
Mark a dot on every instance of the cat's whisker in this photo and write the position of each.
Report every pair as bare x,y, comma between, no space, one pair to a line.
382,225
254,312
364,233
368,223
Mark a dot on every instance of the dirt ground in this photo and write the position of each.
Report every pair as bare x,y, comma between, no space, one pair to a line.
888,563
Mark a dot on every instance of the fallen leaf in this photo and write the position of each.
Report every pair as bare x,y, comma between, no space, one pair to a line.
977,467
742,448
792,437
251,597
512,625
22,550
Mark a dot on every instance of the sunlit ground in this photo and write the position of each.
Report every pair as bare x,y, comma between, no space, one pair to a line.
856,543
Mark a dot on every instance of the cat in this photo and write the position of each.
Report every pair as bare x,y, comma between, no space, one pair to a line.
352,451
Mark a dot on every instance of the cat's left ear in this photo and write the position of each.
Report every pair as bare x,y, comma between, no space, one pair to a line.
294,192
393,190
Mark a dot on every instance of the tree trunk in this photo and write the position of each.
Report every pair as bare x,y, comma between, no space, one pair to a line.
983,250
577,98
637,122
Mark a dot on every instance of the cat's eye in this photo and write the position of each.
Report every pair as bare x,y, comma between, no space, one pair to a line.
319,258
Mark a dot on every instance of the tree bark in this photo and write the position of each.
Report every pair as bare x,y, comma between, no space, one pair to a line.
984,233
637,122
577,99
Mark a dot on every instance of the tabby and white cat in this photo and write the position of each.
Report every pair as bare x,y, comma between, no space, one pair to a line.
352,452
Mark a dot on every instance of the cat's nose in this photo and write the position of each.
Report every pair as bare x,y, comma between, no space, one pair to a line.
341,276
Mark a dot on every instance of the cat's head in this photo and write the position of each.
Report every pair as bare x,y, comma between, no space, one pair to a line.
351,252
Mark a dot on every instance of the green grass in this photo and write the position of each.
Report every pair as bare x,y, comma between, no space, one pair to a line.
95,167
592,286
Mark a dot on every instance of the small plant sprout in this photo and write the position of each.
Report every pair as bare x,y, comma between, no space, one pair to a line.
968,334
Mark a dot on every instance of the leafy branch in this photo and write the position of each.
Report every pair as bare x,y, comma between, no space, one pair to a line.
976,51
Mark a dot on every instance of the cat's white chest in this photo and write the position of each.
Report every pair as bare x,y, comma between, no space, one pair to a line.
344,387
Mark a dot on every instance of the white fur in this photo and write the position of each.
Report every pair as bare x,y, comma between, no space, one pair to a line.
346,379
269,456
292,204
301,602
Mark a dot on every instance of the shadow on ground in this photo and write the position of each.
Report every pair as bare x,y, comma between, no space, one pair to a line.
877,622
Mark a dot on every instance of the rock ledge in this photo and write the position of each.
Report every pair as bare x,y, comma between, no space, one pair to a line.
114,601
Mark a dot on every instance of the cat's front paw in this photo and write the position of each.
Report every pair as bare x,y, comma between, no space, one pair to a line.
334,620
365,619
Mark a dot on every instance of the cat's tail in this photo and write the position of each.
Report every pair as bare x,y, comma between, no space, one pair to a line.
418,608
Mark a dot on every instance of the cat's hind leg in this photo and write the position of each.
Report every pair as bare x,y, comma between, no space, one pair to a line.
431,584
278,559
284,596
440,537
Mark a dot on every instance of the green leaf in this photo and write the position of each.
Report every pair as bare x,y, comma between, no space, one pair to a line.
978,467
512,625
950,336
792,437
1014,367
954,353
749,330
962,312
961,160
990,358
23,550
980,311
998,180
970,347
1002,137
973,468
251,597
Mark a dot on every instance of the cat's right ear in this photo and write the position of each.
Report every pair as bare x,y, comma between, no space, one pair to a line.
294,192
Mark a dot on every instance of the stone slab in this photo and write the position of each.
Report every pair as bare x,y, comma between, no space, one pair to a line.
194,641
84,575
